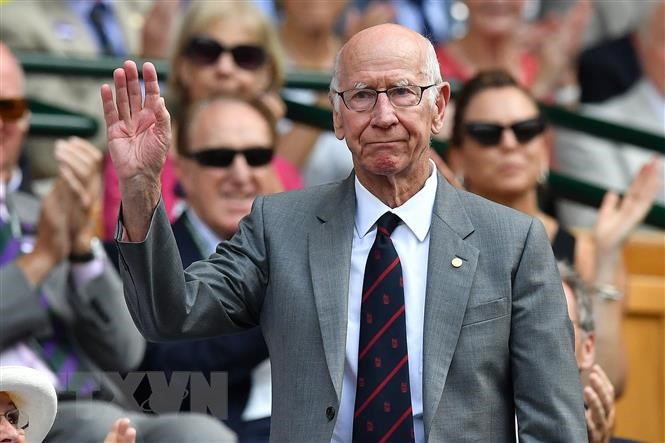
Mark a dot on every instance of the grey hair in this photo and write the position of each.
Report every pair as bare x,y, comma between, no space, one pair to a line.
582,298
431,70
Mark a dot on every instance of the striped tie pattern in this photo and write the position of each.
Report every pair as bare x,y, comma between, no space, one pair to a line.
383,410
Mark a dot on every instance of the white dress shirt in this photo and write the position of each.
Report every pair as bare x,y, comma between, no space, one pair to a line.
411,240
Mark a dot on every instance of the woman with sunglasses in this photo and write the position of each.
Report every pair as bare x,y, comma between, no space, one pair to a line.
500,150
222,49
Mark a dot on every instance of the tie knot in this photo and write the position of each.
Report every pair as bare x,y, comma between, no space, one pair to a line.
387,223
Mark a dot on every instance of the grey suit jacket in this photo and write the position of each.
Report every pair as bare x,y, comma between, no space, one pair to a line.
497,338
96,314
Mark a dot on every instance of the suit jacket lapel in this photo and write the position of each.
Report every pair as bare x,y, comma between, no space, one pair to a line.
329,246
447,292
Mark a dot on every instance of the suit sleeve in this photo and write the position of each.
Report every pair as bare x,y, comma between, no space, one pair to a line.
220,295
103,326
546,383
20,310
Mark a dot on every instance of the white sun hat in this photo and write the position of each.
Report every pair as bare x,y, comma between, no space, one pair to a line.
34,395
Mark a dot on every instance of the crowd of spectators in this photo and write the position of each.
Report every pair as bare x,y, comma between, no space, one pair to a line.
61,300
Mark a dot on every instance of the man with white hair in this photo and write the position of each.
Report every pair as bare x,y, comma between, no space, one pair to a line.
394,306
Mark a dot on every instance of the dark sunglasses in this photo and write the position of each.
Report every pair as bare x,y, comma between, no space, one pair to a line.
489,134
223,157
12,109
206,51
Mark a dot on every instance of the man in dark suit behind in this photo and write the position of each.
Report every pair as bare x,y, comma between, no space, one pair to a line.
455,352
218,196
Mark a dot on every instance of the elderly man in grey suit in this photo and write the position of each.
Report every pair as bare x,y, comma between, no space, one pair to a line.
394,306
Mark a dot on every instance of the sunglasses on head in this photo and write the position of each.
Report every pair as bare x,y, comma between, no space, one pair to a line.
489,134
223,157
12,109
206,51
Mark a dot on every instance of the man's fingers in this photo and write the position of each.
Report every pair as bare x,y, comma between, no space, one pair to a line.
110,111
151,84
82,157
133,87
75,185
602,387
595,405
121,94
608,205
129,436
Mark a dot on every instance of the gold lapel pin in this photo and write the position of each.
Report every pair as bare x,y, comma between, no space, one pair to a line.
456,262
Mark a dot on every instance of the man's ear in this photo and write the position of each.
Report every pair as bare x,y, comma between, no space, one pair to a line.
588,356
442,100
337,119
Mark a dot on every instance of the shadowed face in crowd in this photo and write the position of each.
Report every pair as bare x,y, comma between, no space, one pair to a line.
495,17
8,433
221,196
387,141
509,168
12,131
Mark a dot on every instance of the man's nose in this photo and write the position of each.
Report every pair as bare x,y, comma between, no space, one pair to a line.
240,170
383,114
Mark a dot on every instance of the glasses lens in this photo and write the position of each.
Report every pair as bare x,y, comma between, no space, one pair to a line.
359,99
223,157
527,130
214,158
404,95
248,56
12,109
203,51
486,134
258,156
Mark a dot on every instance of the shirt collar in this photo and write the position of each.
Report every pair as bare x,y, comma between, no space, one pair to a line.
207,236
416,212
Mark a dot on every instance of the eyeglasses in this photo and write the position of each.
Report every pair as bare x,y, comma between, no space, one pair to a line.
223,157
12,109
206,51
361,100
489,134
17,420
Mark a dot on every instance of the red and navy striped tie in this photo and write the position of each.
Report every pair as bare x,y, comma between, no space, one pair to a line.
383,410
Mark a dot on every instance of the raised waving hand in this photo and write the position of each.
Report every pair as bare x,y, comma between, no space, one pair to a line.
139,134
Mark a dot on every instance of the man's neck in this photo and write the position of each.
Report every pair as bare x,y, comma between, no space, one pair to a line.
395,190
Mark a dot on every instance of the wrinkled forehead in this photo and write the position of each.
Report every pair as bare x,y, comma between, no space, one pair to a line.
390,62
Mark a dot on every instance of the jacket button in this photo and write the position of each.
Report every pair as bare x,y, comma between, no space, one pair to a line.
330,413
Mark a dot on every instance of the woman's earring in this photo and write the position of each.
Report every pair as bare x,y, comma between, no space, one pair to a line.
544,175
